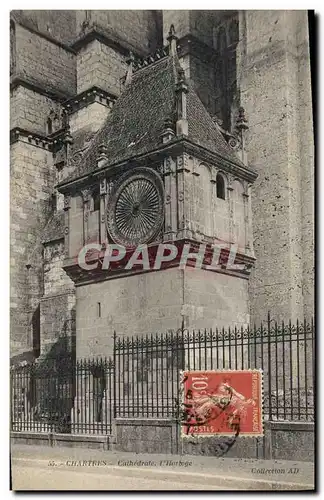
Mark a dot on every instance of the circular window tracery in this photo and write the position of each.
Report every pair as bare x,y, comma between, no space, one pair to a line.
135,212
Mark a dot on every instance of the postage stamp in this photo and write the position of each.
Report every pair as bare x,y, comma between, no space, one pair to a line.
222,402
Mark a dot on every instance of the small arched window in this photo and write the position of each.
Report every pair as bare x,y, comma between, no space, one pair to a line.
49,126
220,186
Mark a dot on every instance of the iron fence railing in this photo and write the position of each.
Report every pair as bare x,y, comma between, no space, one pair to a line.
147,368
142,379
72,397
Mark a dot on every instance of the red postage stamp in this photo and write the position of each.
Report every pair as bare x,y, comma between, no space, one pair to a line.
222,402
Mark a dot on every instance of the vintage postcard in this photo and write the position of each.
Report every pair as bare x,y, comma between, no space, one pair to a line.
162,250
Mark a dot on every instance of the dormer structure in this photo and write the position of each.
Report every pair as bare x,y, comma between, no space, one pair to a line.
159,171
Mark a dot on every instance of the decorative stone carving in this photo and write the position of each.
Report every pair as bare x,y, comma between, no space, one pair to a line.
168,164
136,209
233,142
86,193
103,186
180,162
67,201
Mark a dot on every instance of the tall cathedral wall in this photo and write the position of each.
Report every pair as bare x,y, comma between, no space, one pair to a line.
137,27
57,308
33,54
29,110
31,187
274,55
58,24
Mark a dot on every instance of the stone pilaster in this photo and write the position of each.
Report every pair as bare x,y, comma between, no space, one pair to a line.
103,195
170,190
67,206
231,211
180,197
86,194
275,90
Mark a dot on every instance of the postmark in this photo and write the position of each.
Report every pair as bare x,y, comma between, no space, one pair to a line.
222,403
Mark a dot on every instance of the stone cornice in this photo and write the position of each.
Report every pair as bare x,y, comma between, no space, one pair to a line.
109,38
81,276
55,95
38,140
150,59
49,38
242,171
89,96
176,146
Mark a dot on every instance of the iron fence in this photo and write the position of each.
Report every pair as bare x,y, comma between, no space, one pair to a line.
63,396
147,369
142,379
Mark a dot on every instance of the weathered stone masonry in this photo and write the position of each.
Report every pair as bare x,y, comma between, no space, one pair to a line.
67,70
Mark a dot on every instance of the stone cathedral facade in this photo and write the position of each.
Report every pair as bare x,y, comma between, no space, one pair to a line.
202,117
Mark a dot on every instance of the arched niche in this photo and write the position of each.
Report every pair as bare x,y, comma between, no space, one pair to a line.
221,207
220,186
238,213
204,199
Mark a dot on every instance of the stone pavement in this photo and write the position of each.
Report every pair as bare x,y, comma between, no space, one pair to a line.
226,473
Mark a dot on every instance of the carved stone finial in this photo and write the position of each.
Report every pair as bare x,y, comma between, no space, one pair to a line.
217,121
131,58
168,130
102,155
241,121
102,149
172,31
130,61
172,39
241,127
181,76
181,103
67,138
181,83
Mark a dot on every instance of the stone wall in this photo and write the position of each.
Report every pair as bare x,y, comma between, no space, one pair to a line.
29,110
59,24
135,305
57,322
55,279
275,90
31,185
282,440
33,54
145,435
89,118
292,439
156,302
137,27
214,300
100,65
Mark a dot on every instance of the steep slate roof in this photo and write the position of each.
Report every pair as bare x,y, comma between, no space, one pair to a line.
137,120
